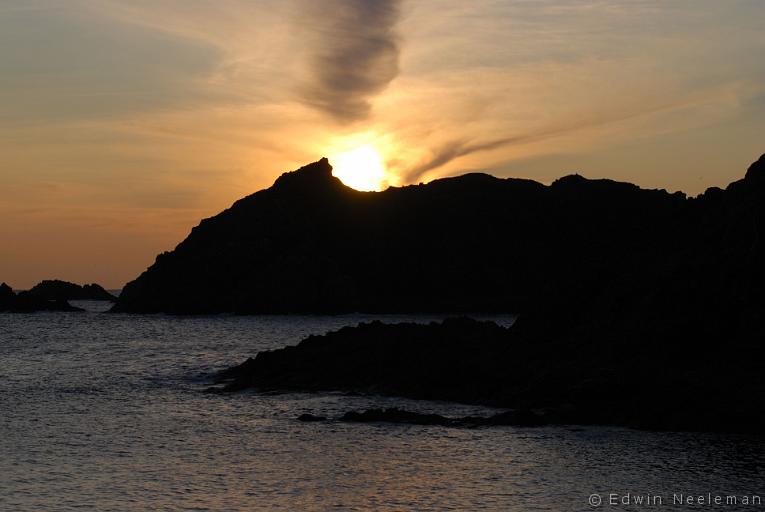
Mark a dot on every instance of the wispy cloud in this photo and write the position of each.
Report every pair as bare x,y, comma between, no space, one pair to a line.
457,148
356,55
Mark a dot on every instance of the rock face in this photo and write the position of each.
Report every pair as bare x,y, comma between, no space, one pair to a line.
7,297
26,302
638,307
576,377
395,415
63,290
387,359
472,243
523,418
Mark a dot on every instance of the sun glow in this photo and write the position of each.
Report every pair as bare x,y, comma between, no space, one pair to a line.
361,168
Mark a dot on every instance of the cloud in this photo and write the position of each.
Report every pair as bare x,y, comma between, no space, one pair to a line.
456,148
356,55
462,147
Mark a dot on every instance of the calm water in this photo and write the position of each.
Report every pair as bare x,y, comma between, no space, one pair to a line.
106,412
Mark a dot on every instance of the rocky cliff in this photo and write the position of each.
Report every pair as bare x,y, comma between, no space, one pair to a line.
638,307
471,243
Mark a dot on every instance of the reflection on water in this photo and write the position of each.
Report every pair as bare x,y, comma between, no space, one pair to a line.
105,412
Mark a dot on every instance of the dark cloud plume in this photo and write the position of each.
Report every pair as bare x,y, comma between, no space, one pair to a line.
461,147
457,148
355,55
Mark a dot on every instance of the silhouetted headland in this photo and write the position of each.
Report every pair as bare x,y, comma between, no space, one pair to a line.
309,244
63,290
639,307
27,302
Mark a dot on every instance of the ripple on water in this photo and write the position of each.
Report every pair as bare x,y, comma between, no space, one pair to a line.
105,412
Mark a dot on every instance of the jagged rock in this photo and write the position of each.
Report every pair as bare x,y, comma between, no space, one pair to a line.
523,418
26,302
420,361
578,376
394,415
63,290
639,307
471,243
7,297
311,418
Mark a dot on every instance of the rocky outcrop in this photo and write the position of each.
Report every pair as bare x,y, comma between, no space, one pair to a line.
575,377
523,418
308,418
638,307
7,297
472,243
26,302
63,290
433,361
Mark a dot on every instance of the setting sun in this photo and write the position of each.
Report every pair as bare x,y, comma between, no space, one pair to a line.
361,168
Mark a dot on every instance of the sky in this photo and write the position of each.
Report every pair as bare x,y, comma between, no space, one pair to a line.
123,123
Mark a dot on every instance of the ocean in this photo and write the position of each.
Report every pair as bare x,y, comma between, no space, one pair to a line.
107,412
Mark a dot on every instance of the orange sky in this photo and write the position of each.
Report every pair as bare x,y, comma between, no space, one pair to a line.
123,123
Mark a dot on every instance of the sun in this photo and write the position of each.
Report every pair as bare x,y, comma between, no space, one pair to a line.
361,168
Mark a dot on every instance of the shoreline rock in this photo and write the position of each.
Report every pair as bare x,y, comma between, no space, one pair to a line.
26,302
575,380
311,418
522,418
637,307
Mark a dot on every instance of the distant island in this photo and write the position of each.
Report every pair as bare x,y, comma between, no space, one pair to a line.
637,307
27,302
62,290
50,295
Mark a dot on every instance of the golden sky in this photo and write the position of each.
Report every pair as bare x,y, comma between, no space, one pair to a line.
123,123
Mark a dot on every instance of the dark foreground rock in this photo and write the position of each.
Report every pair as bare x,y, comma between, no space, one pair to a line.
26,302
639,307
672,384
311,418
421,361
63,290
522,418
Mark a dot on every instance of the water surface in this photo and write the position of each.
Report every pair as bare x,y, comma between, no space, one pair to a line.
106,412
